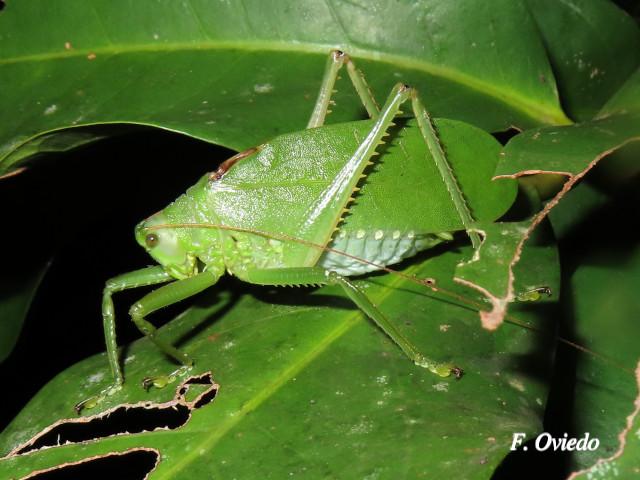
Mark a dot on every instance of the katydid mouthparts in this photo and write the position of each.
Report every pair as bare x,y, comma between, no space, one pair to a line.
269,208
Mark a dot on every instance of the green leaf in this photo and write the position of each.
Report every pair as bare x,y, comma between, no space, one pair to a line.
626,100
624,462
581,37
489,264
18,292
305,378
238,73
604,311
600,307
569,151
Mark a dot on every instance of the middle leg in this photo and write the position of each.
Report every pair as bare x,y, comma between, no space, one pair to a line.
335,62
320,276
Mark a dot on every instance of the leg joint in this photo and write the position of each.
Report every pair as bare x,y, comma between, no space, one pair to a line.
339,55
332,277
109,288
403,87
136,310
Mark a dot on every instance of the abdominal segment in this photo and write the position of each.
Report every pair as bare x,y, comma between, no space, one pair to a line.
381,247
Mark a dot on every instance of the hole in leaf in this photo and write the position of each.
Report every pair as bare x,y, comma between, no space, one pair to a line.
130,465
195,392
2,5
126,419
506,135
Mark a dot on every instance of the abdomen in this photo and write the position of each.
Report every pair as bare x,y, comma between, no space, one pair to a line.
381,247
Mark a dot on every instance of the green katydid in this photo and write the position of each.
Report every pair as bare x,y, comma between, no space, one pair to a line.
306,231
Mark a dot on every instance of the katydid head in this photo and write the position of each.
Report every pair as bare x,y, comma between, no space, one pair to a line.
166,246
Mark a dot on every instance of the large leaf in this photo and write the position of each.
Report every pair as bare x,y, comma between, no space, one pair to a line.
626,100
237,73
568,151
307,386
581,37
560,151
190,67
602,277
624,462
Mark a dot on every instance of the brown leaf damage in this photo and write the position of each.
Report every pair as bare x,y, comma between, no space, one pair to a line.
567,151
614,462
193,393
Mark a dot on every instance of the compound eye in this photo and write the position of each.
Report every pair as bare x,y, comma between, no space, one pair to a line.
151,240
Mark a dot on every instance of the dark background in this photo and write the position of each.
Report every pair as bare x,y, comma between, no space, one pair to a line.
79,210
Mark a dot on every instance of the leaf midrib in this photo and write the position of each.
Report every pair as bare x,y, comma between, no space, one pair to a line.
533,108
293,370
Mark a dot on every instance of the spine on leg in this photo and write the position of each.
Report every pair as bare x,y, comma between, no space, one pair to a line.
287,276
